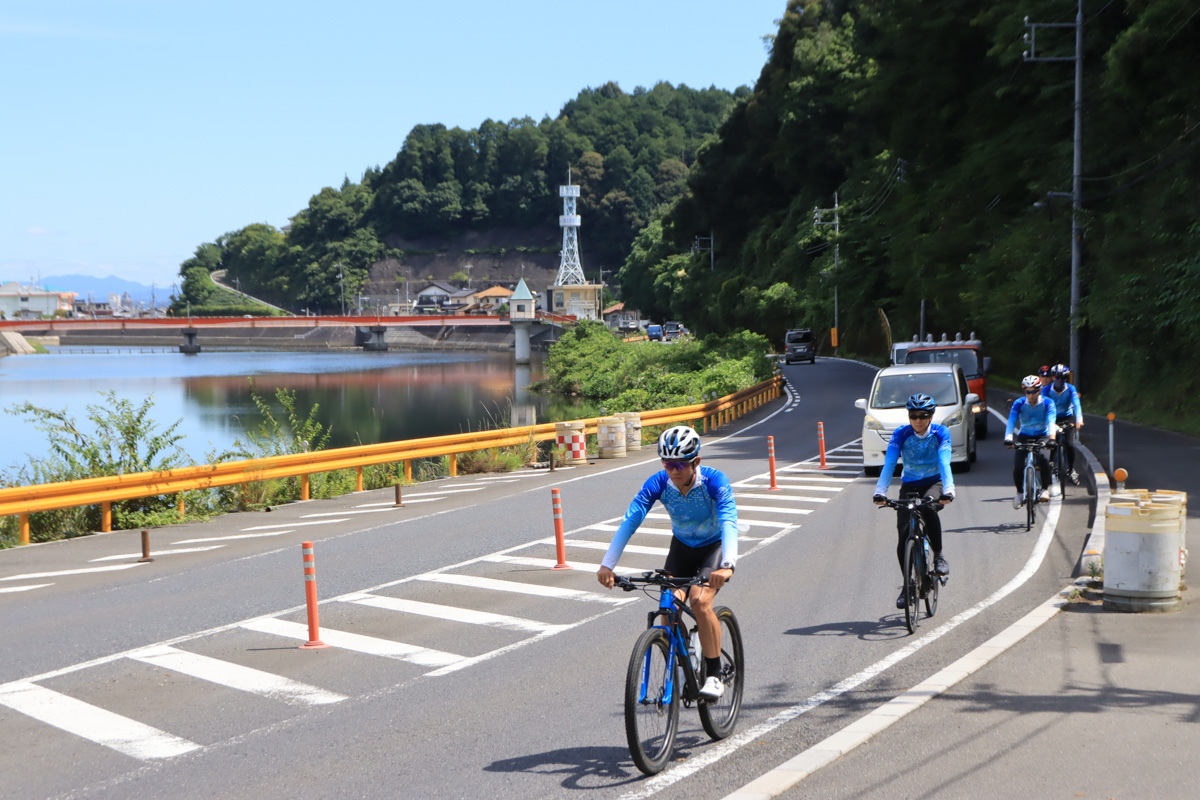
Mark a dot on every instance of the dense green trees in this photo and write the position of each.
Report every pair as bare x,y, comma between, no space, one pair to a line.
938,138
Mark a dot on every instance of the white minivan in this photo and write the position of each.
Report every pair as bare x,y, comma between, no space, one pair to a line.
885,410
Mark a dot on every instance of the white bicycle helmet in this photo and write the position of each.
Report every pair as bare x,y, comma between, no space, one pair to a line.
679,443
1031,382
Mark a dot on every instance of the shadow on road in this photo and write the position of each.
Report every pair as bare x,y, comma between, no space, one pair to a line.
889,627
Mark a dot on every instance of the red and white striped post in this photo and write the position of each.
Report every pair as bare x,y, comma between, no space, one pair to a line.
310,598
771,461
821,443
560,544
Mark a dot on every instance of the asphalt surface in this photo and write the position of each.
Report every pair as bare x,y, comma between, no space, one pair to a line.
1089,704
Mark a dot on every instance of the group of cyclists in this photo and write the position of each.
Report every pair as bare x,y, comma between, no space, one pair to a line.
700,503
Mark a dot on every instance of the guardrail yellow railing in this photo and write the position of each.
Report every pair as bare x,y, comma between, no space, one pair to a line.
22,501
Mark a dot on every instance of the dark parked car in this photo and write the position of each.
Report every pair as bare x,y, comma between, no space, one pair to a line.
654,333
672,330
799,345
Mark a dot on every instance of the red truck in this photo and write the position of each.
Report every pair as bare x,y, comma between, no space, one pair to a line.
967,353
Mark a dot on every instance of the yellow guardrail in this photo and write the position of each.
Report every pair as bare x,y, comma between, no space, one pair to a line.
21,501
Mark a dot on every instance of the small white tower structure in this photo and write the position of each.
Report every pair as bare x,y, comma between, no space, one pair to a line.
571,293
521,313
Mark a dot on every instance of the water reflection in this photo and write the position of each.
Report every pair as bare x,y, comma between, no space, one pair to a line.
364,397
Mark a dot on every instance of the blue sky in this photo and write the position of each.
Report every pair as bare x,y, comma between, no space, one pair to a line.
134,130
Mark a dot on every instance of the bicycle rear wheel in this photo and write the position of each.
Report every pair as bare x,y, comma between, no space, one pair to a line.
1060,461
911,585
931,593
720,716
1031,496
651,702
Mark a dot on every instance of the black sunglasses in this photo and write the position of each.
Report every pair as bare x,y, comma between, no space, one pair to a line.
1033,391
920,416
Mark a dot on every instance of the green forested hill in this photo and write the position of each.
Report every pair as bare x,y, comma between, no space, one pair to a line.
629,152
938,138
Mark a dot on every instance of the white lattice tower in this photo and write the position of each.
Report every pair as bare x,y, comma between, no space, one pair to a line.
570,271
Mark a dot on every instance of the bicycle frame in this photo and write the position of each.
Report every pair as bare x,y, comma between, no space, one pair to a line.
669,606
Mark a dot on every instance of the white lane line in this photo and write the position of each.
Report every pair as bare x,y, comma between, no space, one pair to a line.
158,553
371,645
453,613
787,497
820,476
819,471
727,746
741,521
549,563
87,721
357,513
233,537
406,495
537,590
497,480
786,486
24,588
235,676
641,529
771,510
629,548
60,572
296,524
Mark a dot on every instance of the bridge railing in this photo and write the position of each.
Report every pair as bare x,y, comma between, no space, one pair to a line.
21,501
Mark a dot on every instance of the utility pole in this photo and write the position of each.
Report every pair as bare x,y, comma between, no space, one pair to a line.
819,218
342,284
710,247
1077,166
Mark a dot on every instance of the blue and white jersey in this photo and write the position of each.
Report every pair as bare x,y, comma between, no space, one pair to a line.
925,457
1029,419
707,514
1066,402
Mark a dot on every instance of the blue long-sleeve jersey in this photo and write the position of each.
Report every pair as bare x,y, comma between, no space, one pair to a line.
707,514
924,457
1030,419
1066,402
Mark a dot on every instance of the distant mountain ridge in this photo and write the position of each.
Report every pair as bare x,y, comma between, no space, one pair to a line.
101,288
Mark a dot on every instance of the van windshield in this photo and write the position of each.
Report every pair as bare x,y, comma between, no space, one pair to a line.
893,391
799,337
963,356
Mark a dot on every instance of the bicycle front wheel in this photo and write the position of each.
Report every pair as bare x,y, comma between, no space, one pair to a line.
651,702
1031,496
1060,458
720,716
931,594
911,585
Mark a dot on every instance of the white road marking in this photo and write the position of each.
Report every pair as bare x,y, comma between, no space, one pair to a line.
90,722
158,553
235,676
548,563
811,475
629,548
296,524
453,613
233,537
60,572
371,645
771,510
25,588
494,584
781,483
786,497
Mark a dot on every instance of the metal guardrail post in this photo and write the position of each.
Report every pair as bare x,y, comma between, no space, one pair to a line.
106,517
358,479
23,528
304,487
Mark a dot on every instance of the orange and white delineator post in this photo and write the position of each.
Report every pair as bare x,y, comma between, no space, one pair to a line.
310,598
560,544
821,443
771,460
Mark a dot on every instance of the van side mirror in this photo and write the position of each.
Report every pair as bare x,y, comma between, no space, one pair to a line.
987,364
972,398
861,403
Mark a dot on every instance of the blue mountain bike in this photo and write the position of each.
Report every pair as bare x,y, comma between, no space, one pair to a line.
667,669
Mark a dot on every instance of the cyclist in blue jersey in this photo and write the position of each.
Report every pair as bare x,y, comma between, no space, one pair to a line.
925,451
1033,416
704,543
1067,408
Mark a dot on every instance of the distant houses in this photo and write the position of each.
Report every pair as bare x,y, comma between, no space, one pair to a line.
26,301
439,297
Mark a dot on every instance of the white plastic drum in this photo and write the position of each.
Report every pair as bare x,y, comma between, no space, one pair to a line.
610,437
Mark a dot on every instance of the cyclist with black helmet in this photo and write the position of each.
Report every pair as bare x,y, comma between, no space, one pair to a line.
704,543
925,450
1067,408
1045,374
1033,416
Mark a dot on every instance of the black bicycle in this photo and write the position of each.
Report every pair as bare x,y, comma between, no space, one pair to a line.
1031,487
920,581
666,669
1060,462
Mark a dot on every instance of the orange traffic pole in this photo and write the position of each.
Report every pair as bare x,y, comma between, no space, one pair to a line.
771,461
821,443
560,545
310,598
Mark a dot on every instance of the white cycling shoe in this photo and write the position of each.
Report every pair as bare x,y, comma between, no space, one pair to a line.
1018,500
1044,497
712,689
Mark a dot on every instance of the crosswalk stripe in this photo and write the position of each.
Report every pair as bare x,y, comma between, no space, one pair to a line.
87,721
786,497
235,676
741,520
771,510
629,548
781,482
371,645
820,471
407,496
557,592
452,613
813,475
158,553
56,574
549,563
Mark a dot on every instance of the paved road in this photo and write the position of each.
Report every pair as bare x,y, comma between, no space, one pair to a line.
461,664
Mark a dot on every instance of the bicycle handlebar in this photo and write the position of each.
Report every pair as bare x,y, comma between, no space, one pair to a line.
657,578
912,503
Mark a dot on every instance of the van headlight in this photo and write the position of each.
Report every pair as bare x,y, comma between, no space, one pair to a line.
872,424
954,419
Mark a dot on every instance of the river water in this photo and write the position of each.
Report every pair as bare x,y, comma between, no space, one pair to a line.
364,397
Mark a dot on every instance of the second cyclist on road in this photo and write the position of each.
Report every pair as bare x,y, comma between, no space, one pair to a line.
1067,408
704,539
925,451
1031,417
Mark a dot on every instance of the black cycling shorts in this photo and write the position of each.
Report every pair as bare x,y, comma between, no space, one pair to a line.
690,562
